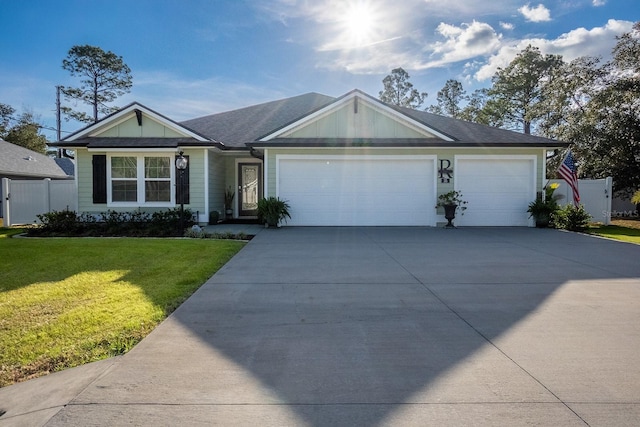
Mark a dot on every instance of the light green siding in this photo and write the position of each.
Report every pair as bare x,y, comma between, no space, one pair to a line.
197,196
84,169
367,122
130,129
440,153
217,179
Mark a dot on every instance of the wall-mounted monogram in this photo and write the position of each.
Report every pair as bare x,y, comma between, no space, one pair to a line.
445,171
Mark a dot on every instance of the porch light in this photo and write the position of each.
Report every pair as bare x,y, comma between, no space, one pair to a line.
181,165
181,162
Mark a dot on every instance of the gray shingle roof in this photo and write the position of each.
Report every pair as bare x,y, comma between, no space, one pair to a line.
468,132
244,127
17,161
238,127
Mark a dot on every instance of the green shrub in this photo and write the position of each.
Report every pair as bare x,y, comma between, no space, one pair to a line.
59,222
572,218
113,223
273,210
542,209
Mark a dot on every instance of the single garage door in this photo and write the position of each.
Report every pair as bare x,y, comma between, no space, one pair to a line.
498,190
358,190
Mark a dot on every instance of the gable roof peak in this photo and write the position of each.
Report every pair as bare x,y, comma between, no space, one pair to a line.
138,108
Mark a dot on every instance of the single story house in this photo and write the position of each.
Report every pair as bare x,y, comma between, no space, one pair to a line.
346,161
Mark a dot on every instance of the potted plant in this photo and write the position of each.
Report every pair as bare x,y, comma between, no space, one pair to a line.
451,201
272,210
542,209
228,202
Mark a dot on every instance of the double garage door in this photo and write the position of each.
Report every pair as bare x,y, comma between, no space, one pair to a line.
401,190
358,190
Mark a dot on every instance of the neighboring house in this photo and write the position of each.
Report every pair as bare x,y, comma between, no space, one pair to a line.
351,160
17,162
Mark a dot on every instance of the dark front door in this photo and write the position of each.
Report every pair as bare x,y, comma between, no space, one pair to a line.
249,188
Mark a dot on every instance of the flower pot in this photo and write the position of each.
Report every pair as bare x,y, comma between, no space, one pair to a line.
450,214
542,220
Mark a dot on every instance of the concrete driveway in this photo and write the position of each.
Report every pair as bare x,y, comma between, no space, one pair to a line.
379,326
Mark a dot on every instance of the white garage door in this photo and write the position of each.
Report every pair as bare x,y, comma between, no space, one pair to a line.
358,190
498,190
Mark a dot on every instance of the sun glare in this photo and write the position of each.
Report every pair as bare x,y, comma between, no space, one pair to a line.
359,23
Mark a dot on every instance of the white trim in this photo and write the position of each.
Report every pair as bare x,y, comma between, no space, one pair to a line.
140,179
544,169
205,215
373,103
123,115
167,150
265,165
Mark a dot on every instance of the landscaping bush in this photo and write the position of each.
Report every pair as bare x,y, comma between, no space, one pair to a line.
112,223
571,218
59,221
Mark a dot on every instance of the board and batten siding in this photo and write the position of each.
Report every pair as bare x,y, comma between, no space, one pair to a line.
440,153
130,129
368,122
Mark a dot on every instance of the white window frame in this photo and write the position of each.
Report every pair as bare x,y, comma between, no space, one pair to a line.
141,202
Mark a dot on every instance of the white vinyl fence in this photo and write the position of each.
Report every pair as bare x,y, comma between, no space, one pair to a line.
595,195
24,199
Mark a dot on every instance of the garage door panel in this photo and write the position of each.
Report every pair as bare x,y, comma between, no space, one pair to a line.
364,191
498,191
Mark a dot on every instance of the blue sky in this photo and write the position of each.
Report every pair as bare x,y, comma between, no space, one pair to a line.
195,57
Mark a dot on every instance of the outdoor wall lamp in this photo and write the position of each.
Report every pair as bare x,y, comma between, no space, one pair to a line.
181,165
181,162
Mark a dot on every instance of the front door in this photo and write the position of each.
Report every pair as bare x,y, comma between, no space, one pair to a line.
249,188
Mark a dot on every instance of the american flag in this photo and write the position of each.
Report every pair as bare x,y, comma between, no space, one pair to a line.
568,172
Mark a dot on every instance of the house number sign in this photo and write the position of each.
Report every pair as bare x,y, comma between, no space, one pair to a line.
445,171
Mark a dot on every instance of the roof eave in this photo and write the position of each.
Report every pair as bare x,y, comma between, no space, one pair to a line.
404,144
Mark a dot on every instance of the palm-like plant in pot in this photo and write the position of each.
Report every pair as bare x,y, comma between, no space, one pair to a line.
451,202
542,209
272,210
229,195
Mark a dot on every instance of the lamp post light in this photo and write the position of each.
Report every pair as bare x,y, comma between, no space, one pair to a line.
181,165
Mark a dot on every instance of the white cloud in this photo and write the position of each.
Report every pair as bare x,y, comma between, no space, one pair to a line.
597,3
535,14
506,25
464,42
597,41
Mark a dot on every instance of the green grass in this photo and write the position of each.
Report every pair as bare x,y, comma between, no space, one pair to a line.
618,232
65,302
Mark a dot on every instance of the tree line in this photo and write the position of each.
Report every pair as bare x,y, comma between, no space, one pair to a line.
593,105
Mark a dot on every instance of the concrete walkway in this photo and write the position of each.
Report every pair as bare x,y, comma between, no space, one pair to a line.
378,326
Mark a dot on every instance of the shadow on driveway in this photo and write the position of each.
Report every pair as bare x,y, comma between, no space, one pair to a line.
392,326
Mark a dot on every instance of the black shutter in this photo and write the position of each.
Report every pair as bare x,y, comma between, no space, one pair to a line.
182,184
99,178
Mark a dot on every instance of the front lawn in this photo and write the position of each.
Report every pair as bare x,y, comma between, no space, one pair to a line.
621,229
69,301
